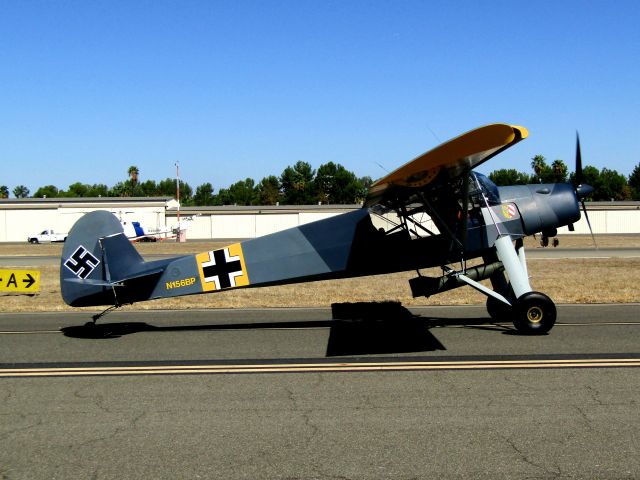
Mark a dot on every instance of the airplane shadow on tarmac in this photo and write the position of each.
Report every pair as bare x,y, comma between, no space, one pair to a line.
364,328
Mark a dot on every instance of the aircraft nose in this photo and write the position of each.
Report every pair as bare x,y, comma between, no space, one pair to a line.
557,205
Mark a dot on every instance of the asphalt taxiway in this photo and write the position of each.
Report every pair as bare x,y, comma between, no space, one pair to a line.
355,392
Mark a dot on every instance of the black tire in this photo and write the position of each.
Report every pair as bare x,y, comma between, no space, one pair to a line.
498,310
535,314
33,240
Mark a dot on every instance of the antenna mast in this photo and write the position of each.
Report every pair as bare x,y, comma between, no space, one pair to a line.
178,191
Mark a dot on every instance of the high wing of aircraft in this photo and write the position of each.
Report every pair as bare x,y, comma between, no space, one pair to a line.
433,211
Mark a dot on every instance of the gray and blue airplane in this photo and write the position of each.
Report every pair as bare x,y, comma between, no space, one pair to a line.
433,211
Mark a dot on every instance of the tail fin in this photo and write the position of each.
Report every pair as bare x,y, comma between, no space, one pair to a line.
88,277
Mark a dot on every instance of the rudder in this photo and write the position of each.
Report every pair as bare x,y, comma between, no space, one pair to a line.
85,279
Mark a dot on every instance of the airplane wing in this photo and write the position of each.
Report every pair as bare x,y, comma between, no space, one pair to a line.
451,159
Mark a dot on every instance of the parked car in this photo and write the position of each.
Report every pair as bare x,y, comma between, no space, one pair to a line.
47,236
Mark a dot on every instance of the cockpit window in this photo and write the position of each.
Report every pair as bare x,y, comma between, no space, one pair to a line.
479,185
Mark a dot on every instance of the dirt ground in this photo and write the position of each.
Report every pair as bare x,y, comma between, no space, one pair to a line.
580,280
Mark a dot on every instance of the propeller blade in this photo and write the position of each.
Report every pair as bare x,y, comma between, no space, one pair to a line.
578,178
582,189
586,217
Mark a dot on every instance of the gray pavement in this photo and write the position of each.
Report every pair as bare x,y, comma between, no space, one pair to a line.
471,423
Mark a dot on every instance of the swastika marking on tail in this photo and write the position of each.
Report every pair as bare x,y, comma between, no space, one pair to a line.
82,262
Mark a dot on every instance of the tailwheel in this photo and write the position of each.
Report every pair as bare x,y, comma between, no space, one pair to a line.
499,311
535,314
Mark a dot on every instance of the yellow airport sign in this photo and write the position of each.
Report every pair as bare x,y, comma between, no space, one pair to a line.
20,281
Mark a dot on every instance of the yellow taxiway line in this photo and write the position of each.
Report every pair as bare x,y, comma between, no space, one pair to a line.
317,367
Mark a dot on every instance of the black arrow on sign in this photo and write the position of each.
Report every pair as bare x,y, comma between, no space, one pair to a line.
29,281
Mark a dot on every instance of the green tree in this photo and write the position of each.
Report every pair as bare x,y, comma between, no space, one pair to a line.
510,176
48,191
98,190
634,182
297,184
186,193
559,171
591,176
148,188
4,191
21,191
223,197
366,183
607,184
118,190
167,187
243,192
133,173
204,195
268,190
78,190
612,186
334,184
543,172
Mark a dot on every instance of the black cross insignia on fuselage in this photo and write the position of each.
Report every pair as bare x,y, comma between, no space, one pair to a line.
222,269
82,262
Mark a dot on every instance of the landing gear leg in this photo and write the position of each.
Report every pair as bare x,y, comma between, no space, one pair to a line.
533,313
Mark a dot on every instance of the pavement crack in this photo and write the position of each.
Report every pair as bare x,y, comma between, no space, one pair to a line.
555,473
7,395
305,414
583,415
521,386
595,394
97,400
38,422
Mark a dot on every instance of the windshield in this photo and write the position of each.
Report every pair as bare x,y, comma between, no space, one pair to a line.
480,184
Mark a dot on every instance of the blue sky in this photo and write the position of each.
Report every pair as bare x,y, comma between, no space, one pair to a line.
243,89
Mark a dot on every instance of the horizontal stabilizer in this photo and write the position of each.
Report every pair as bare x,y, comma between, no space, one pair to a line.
89,281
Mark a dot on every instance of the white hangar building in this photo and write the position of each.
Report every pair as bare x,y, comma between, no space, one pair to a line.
20,218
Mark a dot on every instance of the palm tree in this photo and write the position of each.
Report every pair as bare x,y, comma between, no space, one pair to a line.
133,174
21,191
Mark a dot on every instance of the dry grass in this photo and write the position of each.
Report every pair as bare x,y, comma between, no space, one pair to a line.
566,281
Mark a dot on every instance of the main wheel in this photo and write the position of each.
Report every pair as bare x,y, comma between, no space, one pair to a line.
535,314
498,310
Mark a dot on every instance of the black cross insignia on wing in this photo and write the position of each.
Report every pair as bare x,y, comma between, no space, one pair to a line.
222,269
82,262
